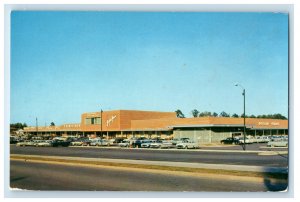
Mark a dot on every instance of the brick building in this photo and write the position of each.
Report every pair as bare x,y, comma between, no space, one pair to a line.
133,123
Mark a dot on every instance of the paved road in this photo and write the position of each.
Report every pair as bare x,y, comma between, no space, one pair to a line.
42,176
158,155
249,147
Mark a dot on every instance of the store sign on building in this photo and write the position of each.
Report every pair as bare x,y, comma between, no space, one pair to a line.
267,123
110,120
263,123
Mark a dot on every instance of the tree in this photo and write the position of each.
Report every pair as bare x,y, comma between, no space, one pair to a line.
252,116
179,113
195,113
215,114
224,114
203,114
271,116
242,115
235,115
278,116
18,125
52,124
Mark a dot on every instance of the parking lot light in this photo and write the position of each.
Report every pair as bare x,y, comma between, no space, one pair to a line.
244,94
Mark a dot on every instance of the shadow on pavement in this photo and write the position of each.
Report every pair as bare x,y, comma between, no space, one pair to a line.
275,185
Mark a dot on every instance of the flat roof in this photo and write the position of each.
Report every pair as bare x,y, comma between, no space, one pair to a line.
208,125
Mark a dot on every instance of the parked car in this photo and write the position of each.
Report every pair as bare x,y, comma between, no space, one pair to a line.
278,142
175,141
60,142
95,142
247,140
124,143
146,143
187,144
161,144
25,143
102,142
138,143
47,143
118,140
13,140
262,139
76,143
230,140
81,142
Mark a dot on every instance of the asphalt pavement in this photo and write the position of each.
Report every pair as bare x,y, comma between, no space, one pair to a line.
43,176
193,156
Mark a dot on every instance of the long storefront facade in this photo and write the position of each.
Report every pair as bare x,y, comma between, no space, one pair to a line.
153,124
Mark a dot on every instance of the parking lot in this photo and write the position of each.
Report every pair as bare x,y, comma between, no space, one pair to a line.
143,143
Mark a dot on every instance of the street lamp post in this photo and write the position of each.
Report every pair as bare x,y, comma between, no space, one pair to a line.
36,126
101,123
244,94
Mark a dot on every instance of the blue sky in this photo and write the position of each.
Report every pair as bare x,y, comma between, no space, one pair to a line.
67,63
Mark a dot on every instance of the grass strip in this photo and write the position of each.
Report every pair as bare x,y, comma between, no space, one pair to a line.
158,167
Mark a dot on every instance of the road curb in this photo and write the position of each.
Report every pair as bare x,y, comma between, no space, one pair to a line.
193,150
225,167
272,153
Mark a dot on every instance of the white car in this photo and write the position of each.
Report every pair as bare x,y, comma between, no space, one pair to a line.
262,139
25,143
161,144
47,143
175,141
278,142
247,140
147,143
76,143
124,143
103,142
187,144
95,142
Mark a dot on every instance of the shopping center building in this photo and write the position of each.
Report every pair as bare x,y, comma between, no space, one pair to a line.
152,124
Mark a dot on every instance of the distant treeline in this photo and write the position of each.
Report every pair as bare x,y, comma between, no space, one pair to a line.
18,126
196,113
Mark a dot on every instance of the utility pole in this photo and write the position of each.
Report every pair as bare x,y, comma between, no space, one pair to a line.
36,125
101,123
244,94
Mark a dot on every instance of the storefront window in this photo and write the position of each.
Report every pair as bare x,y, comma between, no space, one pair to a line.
93,121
